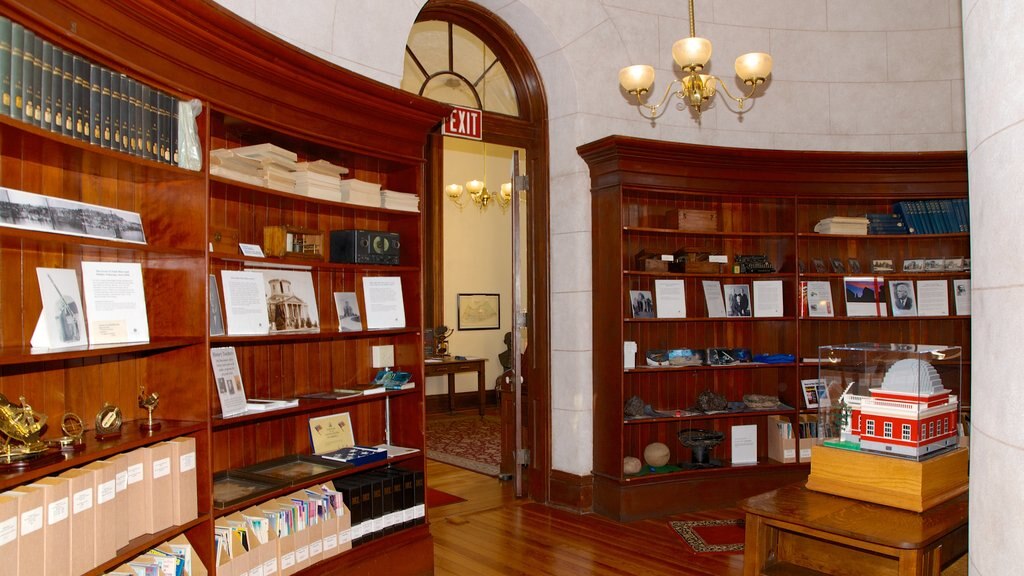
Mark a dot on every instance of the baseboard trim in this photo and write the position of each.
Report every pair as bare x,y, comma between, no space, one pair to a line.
571,491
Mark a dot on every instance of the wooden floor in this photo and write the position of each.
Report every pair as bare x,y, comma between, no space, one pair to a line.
493,533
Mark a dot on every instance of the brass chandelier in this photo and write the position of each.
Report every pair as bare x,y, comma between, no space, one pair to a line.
479,195
692,54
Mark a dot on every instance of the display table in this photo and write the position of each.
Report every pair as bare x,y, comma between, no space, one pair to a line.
793,530
451,367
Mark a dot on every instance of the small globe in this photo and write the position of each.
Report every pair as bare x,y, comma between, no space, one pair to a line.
630,465
656,454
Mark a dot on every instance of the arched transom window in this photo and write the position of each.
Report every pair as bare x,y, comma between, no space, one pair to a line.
447,63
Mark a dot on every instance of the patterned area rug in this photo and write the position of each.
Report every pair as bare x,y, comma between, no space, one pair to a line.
468,442
711,535
437,498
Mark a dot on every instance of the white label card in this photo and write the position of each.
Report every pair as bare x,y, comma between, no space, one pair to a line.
270,567
287,560
57,511
8,530
253,250
316,548
135,473
161,468
302,554
81,501
345,536
106,492
31,521
187,462
121,481
331,542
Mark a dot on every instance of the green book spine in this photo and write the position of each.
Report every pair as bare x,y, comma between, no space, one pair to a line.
17,84
57,89
115,111
81,99
68,94
28,44
46,87
95,109
139,130
164,133
175,149
123,115
105,109
5,66
148,123
37,80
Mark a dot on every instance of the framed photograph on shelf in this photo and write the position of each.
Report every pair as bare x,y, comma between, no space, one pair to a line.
865,296
882,266
810,391
737,300
913,265
901,292
854,265
819,265
479,311
837,265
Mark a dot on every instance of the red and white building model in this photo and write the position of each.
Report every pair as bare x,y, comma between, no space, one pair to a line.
911,414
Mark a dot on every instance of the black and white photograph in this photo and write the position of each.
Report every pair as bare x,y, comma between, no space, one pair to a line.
349,319
641,303
737,300
837,265
127,226
216,317
27,211
63,323
854,265
903,301
67,217
291,300
934,265
884,266
913,265
819,265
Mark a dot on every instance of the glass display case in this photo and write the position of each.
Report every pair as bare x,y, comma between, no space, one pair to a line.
900,400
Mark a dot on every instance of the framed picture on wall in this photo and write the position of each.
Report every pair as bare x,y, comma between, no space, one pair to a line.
479,311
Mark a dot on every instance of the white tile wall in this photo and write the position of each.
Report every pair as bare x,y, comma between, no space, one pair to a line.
829,56
309,25
891,108
785,14
924,55
887,14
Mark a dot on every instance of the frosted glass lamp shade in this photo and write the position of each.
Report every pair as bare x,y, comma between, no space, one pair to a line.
637,79
506,190
754,67
474,186
692,53
453,190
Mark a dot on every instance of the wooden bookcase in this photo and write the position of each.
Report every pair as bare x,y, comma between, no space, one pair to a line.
765,202
253,88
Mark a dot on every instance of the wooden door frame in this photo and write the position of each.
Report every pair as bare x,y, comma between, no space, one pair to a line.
528,131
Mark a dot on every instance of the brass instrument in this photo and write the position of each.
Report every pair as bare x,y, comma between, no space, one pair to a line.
21,426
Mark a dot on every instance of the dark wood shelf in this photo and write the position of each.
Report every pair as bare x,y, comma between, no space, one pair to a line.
145,543
70,242
816,236
899,275
341,472
672,232
881,318
727,469
153,171
706,319
737,366
27,355
306,406
788,411
300,264
310,199
131,437
644,274
309,336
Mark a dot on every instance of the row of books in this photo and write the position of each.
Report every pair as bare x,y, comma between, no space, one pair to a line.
935,216
283,535
70,523
279,169
174,558
46,86
808,428
383,501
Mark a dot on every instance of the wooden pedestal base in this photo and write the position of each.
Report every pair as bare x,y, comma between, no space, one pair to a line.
904,484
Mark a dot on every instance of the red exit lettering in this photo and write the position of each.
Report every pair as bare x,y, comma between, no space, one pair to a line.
464,123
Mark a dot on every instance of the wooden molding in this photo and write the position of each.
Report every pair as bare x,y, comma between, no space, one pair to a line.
571,491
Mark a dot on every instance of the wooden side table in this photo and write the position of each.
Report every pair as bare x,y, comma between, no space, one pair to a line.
451,367
793,530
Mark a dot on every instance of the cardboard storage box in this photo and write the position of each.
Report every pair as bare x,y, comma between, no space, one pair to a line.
782,449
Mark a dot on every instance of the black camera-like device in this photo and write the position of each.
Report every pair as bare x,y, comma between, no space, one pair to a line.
365,247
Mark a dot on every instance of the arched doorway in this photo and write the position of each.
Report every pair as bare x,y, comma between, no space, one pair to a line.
513,118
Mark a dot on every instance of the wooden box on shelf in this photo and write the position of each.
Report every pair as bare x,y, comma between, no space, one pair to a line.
782,448
908,484
293,242
692,220
647,262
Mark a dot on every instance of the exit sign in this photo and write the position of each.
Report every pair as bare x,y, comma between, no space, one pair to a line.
464,123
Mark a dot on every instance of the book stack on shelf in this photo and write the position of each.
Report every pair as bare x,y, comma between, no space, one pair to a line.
949,216
359,192
399,201
224,162
319,179
57,90
277,165
844,225
885,223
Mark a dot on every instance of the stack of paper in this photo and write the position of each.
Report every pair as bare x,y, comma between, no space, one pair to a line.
224,162
399,201
319,179
359,192
269,154
843,225
277,177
